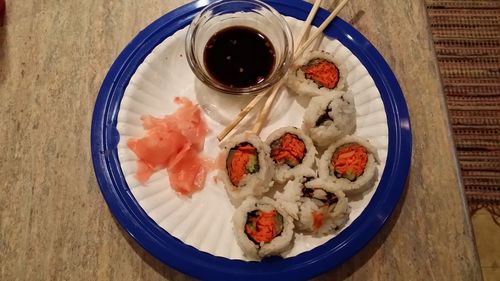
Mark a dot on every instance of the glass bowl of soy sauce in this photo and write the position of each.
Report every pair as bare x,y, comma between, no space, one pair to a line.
239,47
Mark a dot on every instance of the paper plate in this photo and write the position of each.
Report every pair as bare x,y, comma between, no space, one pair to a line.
194,235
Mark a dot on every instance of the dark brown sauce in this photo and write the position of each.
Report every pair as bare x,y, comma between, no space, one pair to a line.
239,57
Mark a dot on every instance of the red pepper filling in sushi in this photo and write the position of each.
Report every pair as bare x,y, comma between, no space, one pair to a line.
349,161
288,149
242,159
263,226
323,72
318,219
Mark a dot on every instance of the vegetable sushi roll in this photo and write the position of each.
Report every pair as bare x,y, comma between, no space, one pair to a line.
324,208
352,163
330,117
321,208
248,169
315,74
292,153
289,198
262,228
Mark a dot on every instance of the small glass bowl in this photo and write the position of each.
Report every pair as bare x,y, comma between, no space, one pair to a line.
247,13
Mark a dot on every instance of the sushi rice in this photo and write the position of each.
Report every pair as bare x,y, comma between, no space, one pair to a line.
256,175
356,179
289,198
303,86
317,206
256,220
330,117
292,152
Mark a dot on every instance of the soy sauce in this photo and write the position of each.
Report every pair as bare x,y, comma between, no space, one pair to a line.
239,57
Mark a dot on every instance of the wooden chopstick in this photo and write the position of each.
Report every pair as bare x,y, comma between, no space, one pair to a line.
259,124
275,89
304,33
321,28
241,115
261,119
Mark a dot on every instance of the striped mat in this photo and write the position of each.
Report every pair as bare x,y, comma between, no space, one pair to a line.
466,37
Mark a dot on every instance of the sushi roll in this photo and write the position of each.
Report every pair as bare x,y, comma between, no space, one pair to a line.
292,152
323,209
262,228
315,74
248,168
318,206
289,198
351,162
330,117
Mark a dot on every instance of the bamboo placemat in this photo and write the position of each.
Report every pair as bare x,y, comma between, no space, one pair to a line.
466,36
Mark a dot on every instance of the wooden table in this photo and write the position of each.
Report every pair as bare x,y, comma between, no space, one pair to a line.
54,223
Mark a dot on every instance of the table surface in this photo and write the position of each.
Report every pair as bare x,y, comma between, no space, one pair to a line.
54,223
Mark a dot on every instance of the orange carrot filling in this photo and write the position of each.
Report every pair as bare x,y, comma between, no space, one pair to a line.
349,161
318,218
238,162
322,72
263,226
288,149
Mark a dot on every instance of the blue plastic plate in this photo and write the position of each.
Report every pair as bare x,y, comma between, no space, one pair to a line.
104,138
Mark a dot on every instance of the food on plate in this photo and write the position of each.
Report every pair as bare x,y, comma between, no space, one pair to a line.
262,228
316,73
248,169
330,117
174,142
324,208
292,152
227,60
318,206
289,197
352,163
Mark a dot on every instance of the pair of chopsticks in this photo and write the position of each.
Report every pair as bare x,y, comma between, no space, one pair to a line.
300,47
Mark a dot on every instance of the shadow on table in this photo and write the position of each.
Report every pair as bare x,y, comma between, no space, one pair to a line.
165,271
362,257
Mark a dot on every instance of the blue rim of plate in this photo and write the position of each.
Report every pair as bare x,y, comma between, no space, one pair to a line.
187,259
